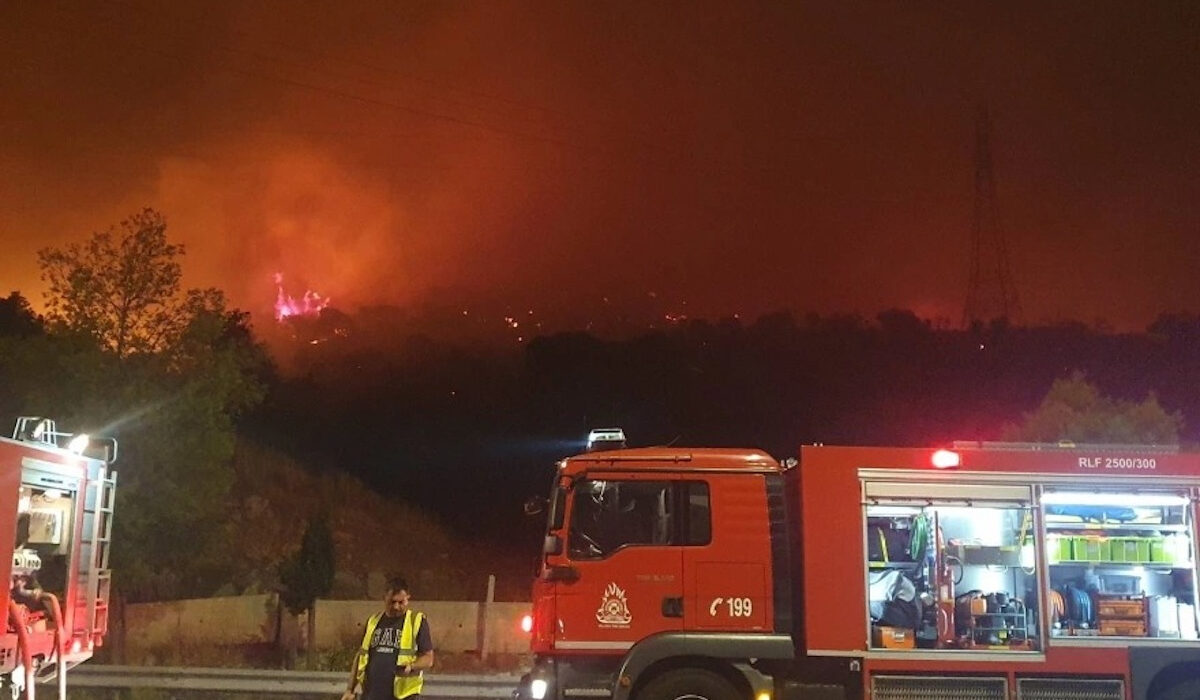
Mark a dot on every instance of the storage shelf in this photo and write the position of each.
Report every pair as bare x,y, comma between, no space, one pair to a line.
1126,527
1125,564
893,564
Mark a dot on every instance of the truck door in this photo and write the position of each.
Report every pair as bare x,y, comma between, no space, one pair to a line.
629,573
727,557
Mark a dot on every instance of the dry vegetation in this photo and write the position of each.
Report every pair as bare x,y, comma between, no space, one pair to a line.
374,537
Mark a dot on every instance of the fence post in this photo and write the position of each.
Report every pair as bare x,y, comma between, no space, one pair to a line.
485,618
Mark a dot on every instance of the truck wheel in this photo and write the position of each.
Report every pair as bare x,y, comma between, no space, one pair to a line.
1187,690
689,684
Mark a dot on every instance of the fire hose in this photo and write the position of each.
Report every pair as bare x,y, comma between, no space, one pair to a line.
16,616
60,664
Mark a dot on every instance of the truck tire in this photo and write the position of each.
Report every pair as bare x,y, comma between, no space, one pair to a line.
688,684
1187,690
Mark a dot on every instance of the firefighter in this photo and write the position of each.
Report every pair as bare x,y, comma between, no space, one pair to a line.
396,648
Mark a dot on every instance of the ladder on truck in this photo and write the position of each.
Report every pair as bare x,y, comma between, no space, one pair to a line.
95,545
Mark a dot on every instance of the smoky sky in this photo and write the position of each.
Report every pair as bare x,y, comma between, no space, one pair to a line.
699,158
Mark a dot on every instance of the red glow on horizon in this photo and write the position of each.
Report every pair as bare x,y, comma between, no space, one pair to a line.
287,306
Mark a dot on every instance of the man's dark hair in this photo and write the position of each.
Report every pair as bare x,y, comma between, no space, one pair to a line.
397,584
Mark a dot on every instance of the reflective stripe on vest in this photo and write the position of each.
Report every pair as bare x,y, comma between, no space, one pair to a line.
406,653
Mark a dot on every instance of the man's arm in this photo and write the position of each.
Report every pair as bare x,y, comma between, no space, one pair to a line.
424,658
423,662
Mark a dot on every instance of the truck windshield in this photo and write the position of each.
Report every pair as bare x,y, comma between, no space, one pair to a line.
609,514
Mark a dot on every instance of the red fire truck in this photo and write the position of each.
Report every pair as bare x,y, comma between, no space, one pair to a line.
56,505
977,571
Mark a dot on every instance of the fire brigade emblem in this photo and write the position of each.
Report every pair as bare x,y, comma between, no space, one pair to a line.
614,610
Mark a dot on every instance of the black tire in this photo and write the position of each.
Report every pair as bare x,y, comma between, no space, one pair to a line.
689,684
1187,690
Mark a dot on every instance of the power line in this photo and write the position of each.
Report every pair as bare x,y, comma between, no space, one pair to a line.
669,159
643,139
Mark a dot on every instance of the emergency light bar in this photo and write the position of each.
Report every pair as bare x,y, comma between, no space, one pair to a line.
606,437
1092,498
45,431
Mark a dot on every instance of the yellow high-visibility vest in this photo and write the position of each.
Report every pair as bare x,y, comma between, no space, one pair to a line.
406,653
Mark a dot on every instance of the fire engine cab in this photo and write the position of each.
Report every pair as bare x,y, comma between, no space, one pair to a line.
982,570
56,505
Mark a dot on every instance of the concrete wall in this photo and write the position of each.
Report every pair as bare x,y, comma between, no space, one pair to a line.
203,621
456,626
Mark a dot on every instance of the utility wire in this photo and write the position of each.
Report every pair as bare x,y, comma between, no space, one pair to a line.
377,67
642,138
665,158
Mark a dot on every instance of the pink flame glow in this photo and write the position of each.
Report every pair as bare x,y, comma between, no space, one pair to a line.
286,306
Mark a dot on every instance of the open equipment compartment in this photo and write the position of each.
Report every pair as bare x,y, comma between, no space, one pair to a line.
1121,562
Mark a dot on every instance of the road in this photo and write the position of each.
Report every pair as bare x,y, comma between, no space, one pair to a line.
180,683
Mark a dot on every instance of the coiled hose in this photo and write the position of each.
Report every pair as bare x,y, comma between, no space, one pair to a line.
16,617
60,664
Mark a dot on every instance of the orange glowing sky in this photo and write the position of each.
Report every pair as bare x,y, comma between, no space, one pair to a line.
739,157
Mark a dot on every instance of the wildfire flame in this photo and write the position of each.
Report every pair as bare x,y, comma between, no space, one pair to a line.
287,306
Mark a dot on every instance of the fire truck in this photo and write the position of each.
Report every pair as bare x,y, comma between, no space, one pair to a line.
976,570
56,507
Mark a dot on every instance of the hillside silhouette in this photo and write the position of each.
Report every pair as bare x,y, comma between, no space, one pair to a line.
469,431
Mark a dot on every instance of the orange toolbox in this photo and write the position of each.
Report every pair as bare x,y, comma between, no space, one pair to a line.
1121,608
1123,628
893,637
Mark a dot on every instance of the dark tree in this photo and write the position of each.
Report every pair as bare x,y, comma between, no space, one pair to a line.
308,575
121,287
17,319
1074,410
131,355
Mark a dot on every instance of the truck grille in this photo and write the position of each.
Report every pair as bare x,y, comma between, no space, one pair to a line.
1069,689
938,688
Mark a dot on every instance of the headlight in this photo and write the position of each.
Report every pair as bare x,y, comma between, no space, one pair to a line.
538,688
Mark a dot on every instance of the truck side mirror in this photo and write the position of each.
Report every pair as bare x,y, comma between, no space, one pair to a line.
552,545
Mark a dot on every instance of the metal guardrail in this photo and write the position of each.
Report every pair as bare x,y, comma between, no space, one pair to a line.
231,680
